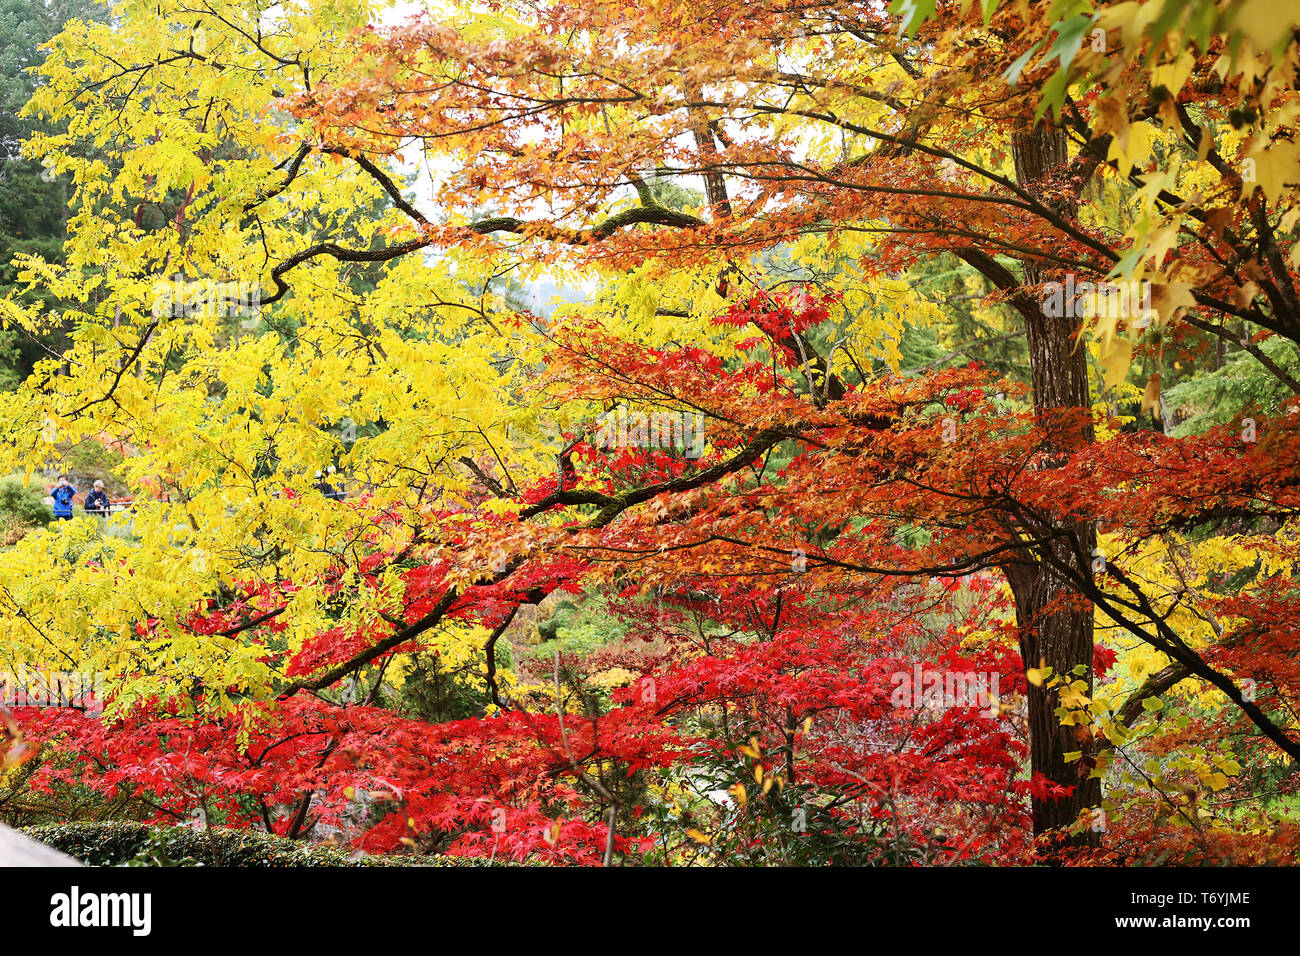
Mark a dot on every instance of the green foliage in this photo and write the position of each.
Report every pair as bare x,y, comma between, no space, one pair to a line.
23,504
990,335
921,349
672,195
1242,385
33,204
436,693
577,629
137,844
787,826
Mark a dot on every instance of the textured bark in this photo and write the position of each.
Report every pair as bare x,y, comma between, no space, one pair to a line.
1060,638
715,187
1052,631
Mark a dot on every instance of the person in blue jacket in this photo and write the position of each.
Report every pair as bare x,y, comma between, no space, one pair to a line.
62,495
97,502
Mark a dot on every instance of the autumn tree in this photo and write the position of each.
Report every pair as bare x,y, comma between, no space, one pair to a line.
848,78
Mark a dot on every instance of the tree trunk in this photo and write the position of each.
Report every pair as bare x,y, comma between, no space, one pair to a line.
1060,637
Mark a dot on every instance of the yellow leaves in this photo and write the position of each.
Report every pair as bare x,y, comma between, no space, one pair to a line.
1131,145
641,300
1177,572
1115,362
1073,695
1265,23
86,590
1112,113
1171,297
1216,781
1204,145
751,750
1228,765
699,837
151,170
1160,241
1172,76
612,677
1275,168
739,794
460,649
1131,18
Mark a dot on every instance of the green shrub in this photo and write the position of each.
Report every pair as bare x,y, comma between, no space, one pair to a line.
123,843
432,692
23,504
578,628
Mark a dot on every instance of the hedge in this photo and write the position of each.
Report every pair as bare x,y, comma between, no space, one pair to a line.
122,843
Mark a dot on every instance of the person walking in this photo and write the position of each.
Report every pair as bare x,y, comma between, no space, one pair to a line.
97,502
63,493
